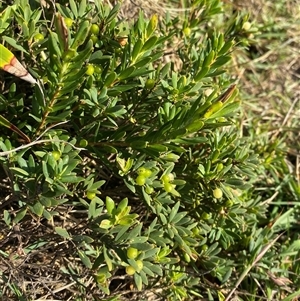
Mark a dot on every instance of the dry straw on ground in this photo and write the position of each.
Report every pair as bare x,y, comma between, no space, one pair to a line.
269,73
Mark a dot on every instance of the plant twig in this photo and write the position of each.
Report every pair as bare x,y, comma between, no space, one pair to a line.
5,153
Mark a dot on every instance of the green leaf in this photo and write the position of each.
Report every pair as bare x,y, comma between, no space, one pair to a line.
201,73
158,147
227,275
222,60
105,224
234,182
107,259
126,221
45,171
140,240
54,47
62,232
20,215
156,269
38,209
195,126
138,281
83,238
6,217
136,49
19,171
82,8
150,253
148,272
81,34
178,217
92,209
122,205
85,259
226,110
174,212
14,44
144,277
150,43
96,185
227,46
113,13
110,205
45,201
110,79
84,54
140,70
6,15
208,59
126,73
74,8
99,260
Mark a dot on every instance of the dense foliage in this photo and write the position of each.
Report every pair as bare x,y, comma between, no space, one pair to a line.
137,170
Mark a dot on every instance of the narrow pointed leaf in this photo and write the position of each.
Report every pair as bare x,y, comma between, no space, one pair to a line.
9,63
6,123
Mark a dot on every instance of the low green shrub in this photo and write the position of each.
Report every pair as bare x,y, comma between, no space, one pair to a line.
137,170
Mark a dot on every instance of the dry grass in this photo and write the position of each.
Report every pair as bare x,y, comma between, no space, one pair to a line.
269,73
